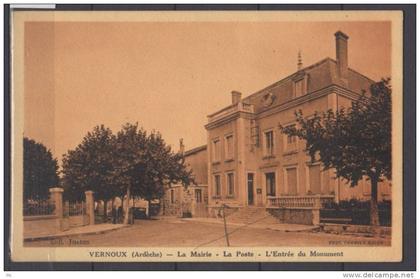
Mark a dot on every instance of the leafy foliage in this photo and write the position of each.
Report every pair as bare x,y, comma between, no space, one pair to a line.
40,170
131,163
356,142
90,166
146,164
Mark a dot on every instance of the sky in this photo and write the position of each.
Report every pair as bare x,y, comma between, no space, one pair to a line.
168,76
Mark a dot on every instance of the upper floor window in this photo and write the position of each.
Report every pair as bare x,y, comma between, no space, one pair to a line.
198,196
216,150
230,184
290,141
299,88
229,147
269,143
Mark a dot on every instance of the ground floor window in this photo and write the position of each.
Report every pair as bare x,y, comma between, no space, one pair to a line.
198,196
270,181
217,186
315,179
172,196
291,175
231,184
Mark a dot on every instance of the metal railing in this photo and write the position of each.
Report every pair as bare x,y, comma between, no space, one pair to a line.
74,208
307,201
38,208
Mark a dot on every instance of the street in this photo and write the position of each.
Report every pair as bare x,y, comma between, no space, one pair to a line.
181,233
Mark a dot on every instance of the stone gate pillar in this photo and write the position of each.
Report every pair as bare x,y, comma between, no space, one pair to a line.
56,196
316,211
90,207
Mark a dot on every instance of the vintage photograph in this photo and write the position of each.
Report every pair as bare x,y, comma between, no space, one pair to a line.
207,136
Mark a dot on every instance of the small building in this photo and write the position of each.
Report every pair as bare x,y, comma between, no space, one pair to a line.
190,201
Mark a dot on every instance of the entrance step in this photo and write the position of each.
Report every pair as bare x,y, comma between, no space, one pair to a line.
252,215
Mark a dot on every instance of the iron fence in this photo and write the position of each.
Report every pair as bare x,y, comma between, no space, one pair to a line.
38,207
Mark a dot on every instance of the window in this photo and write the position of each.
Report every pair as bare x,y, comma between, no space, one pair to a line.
299,88
231,184
217,185
198,196
216,150
172,196
270,182
290,140
291,175
315,179
269,143
229,147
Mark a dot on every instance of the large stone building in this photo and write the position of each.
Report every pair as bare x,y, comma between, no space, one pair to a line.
251,163
248,162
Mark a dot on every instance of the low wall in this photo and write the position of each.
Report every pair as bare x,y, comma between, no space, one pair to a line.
41,225
214,211
77,221
305,216
356,229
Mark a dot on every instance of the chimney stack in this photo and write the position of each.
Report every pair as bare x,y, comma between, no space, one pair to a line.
236,97
299,64
181,146
341,54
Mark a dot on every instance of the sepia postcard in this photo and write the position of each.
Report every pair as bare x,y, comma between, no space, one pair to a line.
206,136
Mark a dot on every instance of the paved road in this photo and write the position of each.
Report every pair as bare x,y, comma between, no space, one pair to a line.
178,233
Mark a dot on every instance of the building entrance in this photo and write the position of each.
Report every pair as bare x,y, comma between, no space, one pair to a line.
250,189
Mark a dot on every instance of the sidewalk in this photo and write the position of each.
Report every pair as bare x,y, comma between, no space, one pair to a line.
274,227
82,230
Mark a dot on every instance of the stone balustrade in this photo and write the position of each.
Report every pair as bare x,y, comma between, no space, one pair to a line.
307,201
239,107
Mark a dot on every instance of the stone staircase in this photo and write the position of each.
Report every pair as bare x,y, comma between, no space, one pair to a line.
252,215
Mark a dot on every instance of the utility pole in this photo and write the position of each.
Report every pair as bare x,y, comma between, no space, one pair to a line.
224,222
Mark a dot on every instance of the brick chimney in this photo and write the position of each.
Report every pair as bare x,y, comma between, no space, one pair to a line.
341,54
181,146
236,97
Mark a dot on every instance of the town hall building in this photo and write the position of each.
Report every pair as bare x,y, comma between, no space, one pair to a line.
251,163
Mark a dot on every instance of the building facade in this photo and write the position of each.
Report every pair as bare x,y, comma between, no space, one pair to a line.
251,163
189,201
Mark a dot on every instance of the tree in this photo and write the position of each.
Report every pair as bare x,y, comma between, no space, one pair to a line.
130,163
90,166
146,164
164,168
356,142
40,170
130,147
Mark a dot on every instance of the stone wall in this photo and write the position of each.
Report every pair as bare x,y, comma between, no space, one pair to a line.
79,220
214,211
40,225
293,216
183,203
173,207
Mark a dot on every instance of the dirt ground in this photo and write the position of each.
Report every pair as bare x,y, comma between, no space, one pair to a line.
179,233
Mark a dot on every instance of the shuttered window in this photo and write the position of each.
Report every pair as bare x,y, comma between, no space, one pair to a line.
315,179
292,181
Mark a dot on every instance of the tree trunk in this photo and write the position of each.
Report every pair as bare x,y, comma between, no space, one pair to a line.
148,209
374,213
105,217
121,214
113,211
127,211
